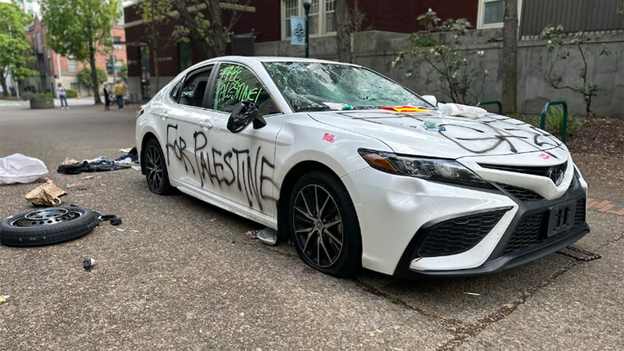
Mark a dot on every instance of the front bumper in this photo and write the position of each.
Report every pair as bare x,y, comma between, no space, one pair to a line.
511,251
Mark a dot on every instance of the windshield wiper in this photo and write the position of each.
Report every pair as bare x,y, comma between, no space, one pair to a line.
313,108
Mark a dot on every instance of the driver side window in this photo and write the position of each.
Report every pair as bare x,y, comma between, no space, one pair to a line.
194,88
236,84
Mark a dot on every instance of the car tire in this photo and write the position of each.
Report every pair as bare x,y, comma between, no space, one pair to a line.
321,203
156,172
47,226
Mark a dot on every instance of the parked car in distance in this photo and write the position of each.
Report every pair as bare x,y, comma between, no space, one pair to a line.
358,171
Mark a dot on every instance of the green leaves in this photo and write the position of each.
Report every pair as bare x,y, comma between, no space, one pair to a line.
13,43
84,76
79,28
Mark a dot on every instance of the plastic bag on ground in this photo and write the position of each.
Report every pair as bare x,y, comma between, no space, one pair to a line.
18,168
462,110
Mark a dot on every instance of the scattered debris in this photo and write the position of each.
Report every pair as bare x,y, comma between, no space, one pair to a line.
18,168
214,219
88,264
102,166
267,235
69,161
121,230
46,194
48,179
103,184
69,186
115,221
471,293
138,168
96,160
134,231
3,299
125,150
88,177
462,110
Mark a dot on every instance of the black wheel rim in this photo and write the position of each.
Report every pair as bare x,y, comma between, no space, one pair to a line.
154,168
319,230
45,217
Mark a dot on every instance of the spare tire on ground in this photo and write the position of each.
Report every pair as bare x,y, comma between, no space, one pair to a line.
47,226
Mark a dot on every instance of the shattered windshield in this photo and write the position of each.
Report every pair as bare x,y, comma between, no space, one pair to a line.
317,86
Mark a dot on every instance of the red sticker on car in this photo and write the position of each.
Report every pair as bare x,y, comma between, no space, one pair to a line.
328,137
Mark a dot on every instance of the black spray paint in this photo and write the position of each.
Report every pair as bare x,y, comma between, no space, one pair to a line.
241,169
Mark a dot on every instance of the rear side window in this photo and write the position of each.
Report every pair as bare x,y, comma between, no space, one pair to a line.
236,84
195,88
175,92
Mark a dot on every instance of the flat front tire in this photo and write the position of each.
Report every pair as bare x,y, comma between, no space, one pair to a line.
323,224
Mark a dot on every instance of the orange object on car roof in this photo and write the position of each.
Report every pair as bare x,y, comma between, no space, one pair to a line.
403,109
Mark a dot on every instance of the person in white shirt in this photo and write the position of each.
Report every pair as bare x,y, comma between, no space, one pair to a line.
63,96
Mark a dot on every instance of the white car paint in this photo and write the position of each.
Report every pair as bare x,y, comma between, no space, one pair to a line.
390,208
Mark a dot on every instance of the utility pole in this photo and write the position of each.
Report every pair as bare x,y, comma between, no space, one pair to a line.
306,6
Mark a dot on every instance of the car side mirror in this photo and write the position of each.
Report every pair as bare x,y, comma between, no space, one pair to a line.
244,114
430,99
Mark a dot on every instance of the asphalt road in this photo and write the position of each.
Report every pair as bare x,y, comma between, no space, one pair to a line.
182,276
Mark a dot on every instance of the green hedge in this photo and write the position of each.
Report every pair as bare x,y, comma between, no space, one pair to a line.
45,96
71,93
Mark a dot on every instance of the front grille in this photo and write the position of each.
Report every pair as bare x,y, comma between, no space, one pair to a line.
532,229
538,171
459,234
528,232
521,194
579,214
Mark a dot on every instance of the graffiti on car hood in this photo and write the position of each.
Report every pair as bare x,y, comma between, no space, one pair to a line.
434,134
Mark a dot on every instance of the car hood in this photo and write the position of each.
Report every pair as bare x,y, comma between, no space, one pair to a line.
448,136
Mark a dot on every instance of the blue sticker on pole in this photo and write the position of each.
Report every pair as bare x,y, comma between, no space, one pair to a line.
297,30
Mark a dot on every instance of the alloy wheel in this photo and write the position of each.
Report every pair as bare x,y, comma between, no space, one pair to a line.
154,168
318,226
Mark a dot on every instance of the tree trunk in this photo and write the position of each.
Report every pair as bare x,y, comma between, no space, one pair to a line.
4,86
343,28
218,31
156,73
510,57
94,80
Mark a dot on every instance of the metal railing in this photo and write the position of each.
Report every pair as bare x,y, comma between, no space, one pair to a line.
564,127
493,102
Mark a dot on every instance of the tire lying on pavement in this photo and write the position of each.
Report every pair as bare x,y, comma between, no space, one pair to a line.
47,226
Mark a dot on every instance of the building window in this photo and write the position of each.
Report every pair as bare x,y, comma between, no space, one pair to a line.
491,13
330,16
185,55
322,17
72,65
75,86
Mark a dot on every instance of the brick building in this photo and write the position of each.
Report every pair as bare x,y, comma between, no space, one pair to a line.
54,68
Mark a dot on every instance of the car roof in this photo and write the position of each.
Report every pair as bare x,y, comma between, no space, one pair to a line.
276,59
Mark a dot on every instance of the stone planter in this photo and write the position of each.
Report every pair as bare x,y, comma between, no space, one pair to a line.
41,103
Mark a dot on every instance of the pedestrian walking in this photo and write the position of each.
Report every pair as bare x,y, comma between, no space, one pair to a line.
120,90
107,97
62,96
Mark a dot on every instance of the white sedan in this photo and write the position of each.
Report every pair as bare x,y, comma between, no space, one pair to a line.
358,171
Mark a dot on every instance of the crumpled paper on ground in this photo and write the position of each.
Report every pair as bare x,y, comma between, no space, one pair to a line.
46,194
69,161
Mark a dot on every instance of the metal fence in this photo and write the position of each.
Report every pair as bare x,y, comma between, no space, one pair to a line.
599,16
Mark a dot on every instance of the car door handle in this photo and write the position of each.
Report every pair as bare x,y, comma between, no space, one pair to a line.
205,124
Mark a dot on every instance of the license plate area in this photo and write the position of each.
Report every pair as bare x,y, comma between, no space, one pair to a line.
561,218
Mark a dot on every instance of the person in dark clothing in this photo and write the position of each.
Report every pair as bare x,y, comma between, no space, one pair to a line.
107,97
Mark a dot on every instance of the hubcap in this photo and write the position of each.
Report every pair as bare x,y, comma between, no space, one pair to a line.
318,226
154,169
48,216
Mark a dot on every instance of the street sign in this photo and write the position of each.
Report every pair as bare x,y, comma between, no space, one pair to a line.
297,31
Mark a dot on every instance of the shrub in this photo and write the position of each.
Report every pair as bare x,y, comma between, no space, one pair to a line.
42,96
27,96
555,120
71,93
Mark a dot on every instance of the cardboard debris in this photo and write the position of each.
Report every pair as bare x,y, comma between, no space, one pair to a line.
46,194
69,161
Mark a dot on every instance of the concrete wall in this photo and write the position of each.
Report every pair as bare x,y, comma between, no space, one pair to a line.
377,50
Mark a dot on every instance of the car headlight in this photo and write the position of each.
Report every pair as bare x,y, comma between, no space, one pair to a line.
431,169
